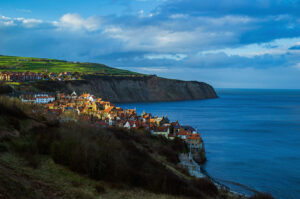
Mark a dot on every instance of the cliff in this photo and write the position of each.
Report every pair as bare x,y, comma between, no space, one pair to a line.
133,89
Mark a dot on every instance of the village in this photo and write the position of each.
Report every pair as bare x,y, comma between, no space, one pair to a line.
88,108
36,76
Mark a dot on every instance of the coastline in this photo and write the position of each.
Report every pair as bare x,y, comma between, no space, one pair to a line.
198,171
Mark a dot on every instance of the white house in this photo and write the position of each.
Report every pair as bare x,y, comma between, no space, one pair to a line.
44,99
127,125
163,131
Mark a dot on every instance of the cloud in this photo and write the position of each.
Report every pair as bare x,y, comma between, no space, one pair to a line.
73,21
28,23
176,57
222,60
178,35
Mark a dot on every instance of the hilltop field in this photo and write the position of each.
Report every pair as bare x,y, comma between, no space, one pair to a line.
23,64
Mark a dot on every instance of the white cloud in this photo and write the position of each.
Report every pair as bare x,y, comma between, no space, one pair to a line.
6,21
29,23
176,57
73,21
276,47
5,18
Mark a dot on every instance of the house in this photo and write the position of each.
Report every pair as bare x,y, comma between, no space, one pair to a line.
175,126
189,128
127,125
194,141
4,76
183,134
43,99
162,130
74,95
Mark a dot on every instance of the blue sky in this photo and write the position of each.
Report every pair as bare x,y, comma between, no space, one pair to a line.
227,43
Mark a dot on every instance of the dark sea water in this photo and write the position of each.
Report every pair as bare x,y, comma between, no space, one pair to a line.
252,137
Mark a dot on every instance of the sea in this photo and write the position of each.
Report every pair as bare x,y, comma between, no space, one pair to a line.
252,137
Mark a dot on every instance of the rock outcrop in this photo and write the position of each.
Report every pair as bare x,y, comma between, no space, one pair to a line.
133,89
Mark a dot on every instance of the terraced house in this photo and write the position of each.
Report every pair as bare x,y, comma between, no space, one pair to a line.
4,76
20,76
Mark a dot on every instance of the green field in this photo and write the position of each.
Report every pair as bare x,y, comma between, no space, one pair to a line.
23,64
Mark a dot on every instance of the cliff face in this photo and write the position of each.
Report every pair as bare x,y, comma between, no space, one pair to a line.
134,89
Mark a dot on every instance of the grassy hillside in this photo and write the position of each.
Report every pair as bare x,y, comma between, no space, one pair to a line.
40,158
23,64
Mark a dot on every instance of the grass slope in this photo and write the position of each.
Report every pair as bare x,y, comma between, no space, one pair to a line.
40,158
23,64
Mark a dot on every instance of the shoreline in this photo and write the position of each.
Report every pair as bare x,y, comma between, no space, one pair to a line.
198,171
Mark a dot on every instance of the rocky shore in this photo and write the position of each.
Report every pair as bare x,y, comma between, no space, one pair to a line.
197,171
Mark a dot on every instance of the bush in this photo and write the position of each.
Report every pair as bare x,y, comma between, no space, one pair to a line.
45,137
3,147
100,189
26,147
5,89
101,156
183,169
89,151
15,108
111,155
205,185
169,153
179,145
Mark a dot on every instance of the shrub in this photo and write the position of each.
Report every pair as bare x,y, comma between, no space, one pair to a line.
179,145
4,89
88,151
26,147
45,137
100,189
205,185
15,108
111,155
169,153
3,147
183,169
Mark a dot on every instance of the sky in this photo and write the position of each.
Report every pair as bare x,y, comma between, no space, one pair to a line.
226,43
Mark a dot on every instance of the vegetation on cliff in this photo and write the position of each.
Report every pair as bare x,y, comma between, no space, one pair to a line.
23,64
